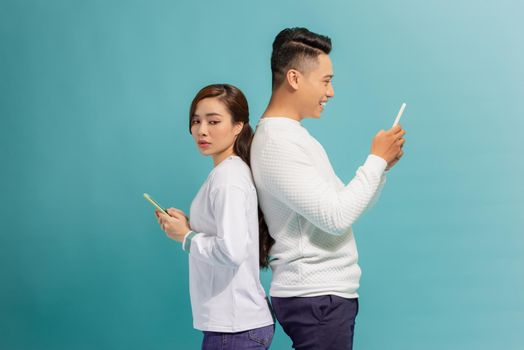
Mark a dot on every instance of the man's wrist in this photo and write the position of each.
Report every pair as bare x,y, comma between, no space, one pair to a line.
376,163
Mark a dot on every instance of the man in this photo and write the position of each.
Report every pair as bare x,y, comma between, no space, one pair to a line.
308,209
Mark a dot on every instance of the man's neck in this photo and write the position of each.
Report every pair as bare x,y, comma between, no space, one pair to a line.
281,106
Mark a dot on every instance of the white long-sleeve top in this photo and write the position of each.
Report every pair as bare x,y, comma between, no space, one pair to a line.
226,294
309,210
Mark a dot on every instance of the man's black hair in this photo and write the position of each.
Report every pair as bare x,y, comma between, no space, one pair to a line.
293,48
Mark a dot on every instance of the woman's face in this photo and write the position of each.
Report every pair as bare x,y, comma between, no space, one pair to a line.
213,129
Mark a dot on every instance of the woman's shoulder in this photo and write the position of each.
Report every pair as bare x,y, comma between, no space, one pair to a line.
232,171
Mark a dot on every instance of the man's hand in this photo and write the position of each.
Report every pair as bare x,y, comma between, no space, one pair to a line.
388,145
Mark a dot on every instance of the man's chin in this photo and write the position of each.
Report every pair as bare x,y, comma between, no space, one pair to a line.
316,115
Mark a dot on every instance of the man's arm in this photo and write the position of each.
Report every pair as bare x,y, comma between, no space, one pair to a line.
290,175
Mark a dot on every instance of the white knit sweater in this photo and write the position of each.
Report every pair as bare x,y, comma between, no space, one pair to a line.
309,210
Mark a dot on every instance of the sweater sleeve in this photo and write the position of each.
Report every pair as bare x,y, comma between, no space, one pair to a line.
379,189
290,175
228,247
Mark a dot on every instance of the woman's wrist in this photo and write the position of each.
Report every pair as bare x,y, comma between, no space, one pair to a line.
186,242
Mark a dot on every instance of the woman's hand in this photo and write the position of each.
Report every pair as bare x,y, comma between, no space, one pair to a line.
175,225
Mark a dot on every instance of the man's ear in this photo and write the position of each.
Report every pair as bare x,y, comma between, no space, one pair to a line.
293,77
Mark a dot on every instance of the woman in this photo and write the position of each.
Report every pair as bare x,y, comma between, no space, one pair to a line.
227,299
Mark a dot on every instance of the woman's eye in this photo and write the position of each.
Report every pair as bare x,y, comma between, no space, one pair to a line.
213,122
194,121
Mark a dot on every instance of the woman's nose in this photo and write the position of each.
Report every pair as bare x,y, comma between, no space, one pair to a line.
202,129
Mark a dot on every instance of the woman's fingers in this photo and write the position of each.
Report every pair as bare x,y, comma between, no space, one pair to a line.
176,213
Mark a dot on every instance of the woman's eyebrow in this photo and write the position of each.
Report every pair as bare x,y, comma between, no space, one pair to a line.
211,114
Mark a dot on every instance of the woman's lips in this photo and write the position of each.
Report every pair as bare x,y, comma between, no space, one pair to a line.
203,144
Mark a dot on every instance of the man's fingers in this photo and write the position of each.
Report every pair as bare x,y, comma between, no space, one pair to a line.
380,132
395,129
400,133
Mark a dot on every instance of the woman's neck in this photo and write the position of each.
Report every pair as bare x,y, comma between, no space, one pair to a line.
218,158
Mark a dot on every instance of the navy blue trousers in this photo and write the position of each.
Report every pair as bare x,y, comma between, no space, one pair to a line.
254,339
317,323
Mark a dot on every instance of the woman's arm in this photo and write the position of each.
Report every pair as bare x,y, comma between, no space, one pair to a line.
229,247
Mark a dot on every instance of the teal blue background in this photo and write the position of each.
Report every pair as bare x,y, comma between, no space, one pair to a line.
94,100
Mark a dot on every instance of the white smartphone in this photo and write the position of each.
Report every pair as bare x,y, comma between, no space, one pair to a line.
400,112
152,201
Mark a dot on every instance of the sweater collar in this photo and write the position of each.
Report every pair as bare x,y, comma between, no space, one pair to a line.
280,120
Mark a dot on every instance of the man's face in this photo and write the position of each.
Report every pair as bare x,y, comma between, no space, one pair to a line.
315,87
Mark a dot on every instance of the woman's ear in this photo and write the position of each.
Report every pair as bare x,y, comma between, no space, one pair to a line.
238,128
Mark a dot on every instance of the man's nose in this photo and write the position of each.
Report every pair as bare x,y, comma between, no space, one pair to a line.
330,92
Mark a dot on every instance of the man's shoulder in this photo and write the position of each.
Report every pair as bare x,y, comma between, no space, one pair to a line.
278,133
